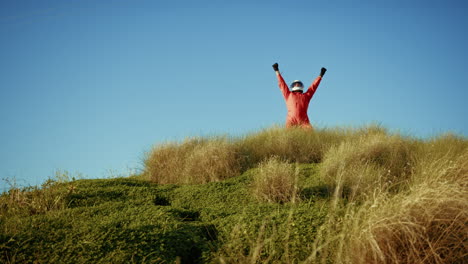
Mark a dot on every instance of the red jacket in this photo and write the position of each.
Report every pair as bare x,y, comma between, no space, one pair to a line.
297,103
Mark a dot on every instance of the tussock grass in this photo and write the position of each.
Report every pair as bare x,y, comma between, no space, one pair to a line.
193,161
299,145
443,158
294,145
201,160
446,145
427,224
423,220
276,181
368,162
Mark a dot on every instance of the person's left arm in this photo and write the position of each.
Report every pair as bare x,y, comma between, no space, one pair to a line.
313,87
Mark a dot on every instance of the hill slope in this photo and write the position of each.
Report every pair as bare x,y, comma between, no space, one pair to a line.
131,220
282,196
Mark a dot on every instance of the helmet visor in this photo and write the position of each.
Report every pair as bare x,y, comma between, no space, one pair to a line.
297,84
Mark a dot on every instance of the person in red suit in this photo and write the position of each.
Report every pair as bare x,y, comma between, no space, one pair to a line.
297,102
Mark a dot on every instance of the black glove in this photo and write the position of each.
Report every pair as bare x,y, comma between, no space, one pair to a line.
275,67
322,71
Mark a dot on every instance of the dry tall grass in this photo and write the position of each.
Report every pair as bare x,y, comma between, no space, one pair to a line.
406,203
443,158
425,222
428,224
194,161
276,181
297,144
51,195
368,162
200,160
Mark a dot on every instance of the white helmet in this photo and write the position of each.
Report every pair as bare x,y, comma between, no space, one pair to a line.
295,87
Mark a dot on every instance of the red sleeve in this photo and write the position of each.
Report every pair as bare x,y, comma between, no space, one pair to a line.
283,86
310,92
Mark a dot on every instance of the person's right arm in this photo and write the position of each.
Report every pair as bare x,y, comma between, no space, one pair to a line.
281,83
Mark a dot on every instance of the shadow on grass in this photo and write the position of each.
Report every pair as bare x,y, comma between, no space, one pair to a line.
186,215
161,200
320,191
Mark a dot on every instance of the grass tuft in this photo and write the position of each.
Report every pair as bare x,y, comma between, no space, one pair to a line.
275,181
193,161
371,161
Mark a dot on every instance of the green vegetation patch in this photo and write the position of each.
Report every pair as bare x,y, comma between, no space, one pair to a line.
131,220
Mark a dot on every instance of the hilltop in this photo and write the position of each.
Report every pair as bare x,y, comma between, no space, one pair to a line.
336,195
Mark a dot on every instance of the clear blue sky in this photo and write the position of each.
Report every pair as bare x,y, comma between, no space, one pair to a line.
89,86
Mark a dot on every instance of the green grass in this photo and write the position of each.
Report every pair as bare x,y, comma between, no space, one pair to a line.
338,195
131,220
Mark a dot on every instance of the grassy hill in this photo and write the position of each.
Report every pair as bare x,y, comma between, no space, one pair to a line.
339,195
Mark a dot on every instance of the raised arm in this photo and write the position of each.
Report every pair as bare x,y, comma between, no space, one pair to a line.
313,87
281,83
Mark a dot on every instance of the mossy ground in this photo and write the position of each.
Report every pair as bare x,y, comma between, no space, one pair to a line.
126,220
